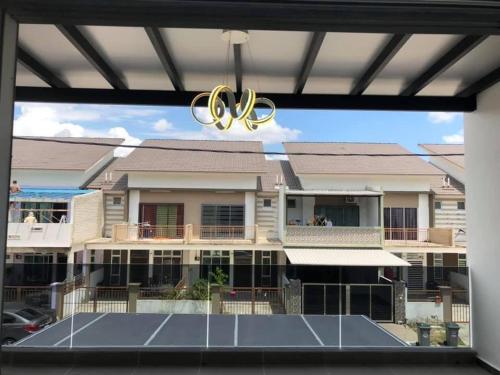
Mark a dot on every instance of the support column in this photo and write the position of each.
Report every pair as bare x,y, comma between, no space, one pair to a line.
423,210
249,215
134,197
482,176
8,48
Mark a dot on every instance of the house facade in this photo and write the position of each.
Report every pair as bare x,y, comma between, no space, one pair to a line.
53,214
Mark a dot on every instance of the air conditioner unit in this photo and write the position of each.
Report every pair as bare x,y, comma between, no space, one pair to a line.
350,199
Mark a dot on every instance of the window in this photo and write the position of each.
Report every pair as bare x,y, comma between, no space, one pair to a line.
438,266
291,203
211,260
462,260
267,203
117,201
400,223
437,205
92,256
167,267
461,205
7,318
222,215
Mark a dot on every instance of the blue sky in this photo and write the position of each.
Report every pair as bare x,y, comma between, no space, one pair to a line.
140,122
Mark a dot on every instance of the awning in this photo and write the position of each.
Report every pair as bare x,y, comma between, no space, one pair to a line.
343,257
353,193
46,195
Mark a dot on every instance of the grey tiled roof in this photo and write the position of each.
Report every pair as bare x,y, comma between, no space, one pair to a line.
110,179
151,160
447,149
397,165
31,154
278,168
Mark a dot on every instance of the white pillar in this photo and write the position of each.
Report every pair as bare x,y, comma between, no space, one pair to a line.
482,175
281,213
8,48
307,209
134,197
250,214
423,210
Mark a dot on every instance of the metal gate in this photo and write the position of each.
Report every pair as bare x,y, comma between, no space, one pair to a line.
376,301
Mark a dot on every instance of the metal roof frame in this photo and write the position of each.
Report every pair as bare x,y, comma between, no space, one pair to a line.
474,19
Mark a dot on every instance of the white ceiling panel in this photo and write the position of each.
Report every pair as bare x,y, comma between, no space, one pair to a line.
130,52
200,57
52,49
477,63
25,78
272,60
419,53
342,59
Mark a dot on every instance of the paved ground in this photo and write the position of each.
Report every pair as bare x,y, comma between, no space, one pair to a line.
402,331
118,330
258,370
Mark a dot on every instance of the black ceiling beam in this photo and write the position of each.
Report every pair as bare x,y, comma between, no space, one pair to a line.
238,67
310,58
459,50
462,17
388,52
39,69
481,84
90,53
293,101
165,57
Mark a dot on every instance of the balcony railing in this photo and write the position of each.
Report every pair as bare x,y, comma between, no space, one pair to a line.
419,237
334,236
184,233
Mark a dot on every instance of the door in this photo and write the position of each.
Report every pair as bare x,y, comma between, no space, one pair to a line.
139,264
242,275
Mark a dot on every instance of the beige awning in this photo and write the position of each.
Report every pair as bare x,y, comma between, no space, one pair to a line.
344,257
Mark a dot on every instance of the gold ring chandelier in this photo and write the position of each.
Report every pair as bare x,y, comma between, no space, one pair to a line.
242,111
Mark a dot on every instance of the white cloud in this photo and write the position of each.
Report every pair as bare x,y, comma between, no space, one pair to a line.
269,133
455,138
442,117
54,121
276,157
162,125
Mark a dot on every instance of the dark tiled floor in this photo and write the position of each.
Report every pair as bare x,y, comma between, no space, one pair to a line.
266,370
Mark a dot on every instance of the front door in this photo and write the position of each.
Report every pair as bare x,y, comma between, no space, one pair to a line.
242,276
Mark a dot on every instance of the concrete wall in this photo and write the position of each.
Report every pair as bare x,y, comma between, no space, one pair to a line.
423,311
113,213
87,216
222,181
401,200
482,155
362,182
267,217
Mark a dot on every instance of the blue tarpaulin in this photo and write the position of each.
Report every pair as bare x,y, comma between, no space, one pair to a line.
47,194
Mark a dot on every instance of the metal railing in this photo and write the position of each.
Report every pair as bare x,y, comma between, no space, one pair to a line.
220,232
96,299
159,232
260,301
424,295
39,296
419,236
341,236
188,233
460,306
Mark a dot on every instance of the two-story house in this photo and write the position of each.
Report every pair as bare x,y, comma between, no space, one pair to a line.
174,216
52,216
448,199
358,202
